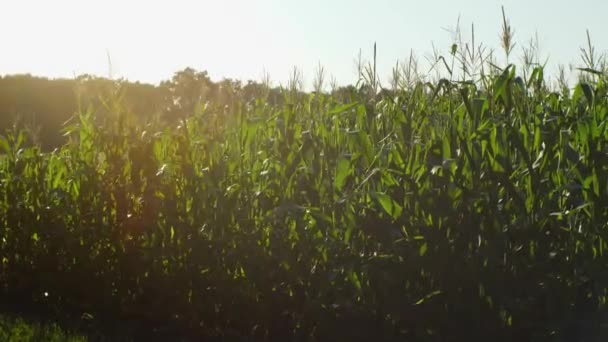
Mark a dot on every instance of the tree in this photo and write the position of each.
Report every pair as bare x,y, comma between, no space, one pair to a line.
185,91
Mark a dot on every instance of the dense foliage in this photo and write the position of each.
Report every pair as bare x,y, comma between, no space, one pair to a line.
441,211
18,330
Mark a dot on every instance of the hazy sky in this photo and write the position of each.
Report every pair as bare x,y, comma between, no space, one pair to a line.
150,40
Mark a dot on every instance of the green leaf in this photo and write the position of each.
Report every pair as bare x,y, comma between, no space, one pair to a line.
596,183
365,145
342,108
584,89
423,248
454,49
388,204
588,91
446,148
591,71
342,171
4,145
354,279
428,296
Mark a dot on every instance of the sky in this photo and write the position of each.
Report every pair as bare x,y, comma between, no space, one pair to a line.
149,41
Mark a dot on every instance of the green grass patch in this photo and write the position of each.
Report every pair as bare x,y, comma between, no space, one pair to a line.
19,330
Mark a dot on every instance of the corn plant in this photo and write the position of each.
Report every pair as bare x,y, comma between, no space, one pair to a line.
454,210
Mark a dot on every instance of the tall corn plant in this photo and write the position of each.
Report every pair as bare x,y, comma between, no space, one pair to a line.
457,210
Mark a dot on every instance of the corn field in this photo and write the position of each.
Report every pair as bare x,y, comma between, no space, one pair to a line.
444,211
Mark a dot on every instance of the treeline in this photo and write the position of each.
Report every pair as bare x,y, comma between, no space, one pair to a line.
42,106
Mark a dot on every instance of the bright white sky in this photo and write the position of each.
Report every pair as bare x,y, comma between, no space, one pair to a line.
150,40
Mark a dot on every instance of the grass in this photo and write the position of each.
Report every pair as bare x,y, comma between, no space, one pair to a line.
18,330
